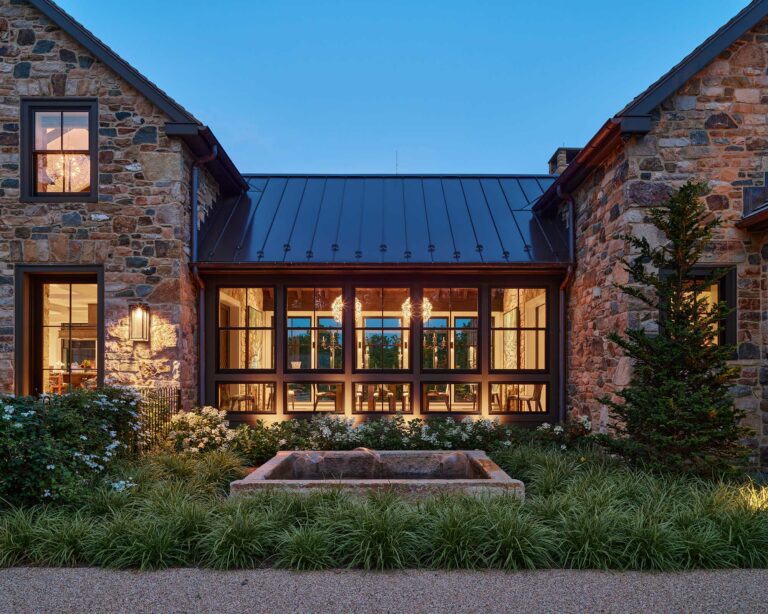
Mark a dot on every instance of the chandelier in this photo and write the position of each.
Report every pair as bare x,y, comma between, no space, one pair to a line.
406,309
337,309
426,310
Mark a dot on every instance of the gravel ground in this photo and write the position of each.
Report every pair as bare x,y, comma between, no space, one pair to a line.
195,590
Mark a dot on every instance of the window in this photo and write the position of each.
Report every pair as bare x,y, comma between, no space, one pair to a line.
61,145
382,328
449,338
518,328
246,328
247,397
314,397
724,290
451,398
384,398
314,318
68,330
518,398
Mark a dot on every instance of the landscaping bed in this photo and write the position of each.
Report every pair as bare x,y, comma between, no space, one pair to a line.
583,510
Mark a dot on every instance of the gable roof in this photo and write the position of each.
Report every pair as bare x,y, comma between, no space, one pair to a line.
378,219
182,123
634,118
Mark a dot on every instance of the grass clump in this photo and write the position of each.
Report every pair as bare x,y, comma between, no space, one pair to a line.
582,510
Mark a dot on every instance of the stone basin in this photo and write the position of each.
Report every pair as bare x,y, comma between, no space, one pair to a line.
360,471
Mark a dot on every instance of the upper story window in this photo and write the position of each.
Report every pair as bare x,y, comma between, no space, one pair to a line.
60,149
246,328
449,339
314,321
518,328
382,328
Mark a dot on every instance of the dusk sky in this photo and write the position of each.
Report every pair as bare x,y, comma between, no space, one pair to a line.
338,87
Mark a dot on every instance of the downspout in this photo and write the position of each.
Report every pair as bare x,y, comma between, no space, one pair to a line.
196,273
563,301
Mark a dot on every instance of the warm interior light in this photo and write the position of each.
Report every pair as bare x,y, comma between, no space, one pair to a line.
138,323
337,308
426,310
406,309
358,313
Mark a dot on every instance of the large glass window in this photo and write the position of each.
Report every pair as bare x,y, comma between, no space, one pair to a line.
69,336
517,398
382,398
382,328
314,397
61,151
518,328
247,397
449,339
314,328
246,328
452,398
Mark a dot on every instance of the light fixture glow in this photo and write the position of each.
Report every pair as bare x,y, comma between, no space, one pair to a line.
337,309
138,322
426,310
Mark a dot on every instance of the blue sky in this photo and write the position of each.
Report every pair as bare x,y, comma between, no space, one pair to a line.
339,86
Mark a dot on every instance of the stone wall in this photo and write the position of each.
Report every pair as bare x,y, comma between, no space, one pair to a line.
138,230
714,129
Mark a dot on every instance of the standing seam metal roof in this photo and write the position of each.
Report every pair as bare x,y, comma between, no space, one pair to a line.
377,219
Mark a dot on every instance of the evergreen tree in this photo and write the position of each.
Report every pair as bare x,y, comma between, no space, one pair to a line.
676,413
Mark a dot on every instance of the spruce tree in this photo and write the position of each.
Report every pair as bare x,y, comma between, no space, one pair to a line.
676,412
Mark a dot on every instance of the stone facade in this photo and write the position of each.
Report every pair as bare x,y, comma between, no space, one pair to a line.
138,230
712,129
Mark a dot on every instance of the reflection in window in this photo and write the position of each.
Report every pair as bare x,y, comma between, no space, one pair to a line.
62,158
311,397
247,397
518,398
518,328
449,338
382,398
382,328
314,318
711,296
454,398
69,333
246,328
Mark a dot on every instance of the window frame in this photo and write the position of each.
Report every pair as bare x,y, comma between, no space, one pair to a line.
410,328
27,316
383,412
452,329
424,411
290,411
520,329
31,105
254,412
273,328
313,329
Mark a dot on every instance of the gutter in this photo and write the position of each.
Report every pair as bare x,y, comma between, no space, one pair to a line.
564,286
195,181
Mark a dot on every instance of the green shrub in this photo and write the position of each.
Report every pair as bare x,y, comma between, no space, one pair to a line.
305,549
200,430
52,445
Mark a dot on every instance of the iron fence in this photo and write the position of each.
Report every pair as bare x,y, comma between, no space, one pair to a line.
158,405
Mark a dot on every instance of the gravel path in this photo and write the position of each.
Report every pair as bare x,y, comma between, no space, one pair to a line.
194,590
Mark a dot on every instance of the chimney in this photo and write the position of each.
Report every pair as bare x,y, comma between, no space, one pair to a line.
562,157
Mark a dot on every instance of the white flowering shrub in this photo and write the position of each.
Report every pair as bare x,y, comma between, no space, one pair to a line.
51,446
200,430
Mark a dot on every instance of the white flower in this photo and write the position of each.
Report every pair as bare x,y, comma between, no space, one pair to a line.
557,430
544,426
50,467
83,438
47,493
563,447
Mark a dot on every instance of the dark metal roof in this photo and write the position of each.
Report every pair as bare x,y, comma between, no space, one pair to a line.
377,219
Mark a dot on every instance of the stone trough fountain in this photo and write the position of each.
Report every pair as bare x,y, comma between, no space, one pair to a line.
360,471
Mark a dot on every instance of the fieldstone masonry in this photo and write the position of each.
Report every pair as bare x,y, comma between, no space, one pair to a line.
138,230
714,129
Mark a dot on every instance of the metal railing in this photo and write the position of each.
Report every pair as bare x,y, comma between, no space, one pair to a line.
158,405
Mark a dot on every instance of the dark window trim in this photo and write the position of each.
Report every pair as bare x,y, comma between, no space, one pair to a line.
451,412
551,314
341,329
519,414
288,411
27,346
452,330
27,145
387,412
273,328
728,293
253,412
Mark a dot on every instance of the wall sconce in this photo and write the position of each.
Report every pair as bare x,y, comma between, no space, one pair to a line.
138,322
